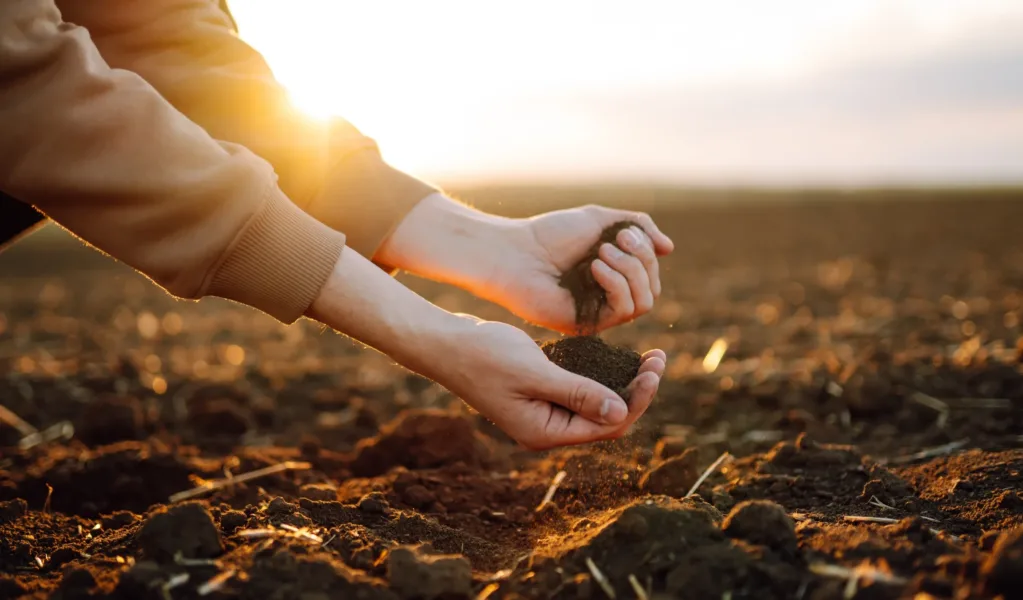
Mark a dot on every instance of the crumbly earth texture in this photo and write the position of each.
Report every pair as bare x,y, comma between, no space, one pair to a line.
587,294
841,316
589,356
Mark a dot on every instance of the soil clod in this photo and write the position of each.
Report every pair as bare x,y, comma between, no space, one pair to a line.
613,366
415,575
673,477
762,522
186,530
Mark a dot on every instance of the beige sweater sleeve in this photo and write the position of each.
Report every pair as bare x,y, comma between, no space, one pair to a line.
188,50
102,153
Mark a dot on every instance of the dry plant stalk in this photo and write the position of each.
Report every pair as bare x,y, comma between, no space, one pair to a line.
173,582
930,452
24,427
854,575
217,484
636,587
216,582
487,591
63,430
558,478
873,500
302,532
710,470
600,578
888,521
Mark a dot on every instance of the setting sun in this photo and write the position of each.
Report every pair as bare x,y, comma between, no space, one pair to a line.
457,89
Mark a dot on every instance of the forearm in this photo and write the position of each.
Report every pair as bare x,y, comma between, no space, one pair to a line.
446,241
365,303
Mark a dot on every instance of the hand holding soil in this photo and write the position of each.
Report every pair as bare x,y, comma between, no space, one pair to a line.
537,403
521,264
615,250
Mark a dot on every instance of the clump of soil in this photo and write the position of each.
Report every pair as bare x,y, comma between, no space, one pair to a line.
764,523
673,476
187,530
589,297
419,439
589,356
413,575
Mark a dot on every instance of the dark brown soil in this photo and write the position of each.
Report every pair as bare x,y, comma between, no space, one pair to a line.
589,297
589,356
838,314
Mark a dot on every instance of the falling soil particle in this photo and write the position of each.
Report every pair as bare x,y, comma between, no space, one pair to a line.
587,294
589,356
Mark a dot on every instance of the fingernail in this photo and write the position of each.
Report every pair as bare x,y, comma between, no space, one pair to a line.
614,251
613,411
631,239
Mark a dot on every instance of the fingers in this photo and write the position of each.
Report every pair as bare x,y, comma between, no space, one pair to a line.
584,397
662,243
616,286
636,242
635,274
562,428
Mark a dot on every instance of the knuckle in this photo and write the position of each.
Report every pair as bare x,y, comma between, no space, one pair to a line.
577,398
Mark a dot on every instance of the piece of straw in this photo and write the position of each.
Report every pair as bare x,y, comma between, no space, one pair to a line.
63,430
215,583
930,452
636,587
600,578
710,470
558,478
24,427
217,484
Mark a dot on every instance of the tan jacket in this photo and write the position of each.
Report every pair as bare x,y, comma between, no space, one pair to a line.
152,132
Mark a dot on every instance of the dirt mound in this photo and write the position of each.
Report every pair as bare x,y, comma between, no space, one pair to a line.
589,297
692,556
415,575
674,476
764,523
186,530
589,356
420,439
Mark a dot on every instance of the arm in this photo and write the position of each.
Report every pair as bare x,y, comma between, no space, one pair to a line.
517,263
100,152
497,369
189,51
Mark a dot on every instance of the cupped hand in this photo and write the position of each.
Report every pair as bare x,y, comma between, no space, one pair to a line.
502,373
526,281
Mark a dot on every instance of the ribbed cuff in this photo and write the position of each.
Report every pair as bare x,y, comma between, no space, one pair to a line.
366,198
280,262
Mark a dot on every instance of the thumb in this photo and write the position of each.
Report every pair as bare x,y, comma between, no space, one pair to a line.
583,396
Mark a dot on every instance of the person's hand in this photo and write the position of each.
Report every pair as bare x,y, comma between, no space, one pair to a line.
526,279
501,372
517,263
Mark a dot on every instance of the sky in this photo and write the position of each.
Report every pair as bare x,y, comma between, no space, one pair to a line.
788,92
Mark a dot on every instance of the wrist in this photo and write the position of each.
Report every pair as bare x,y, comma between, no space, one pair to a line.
444,240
